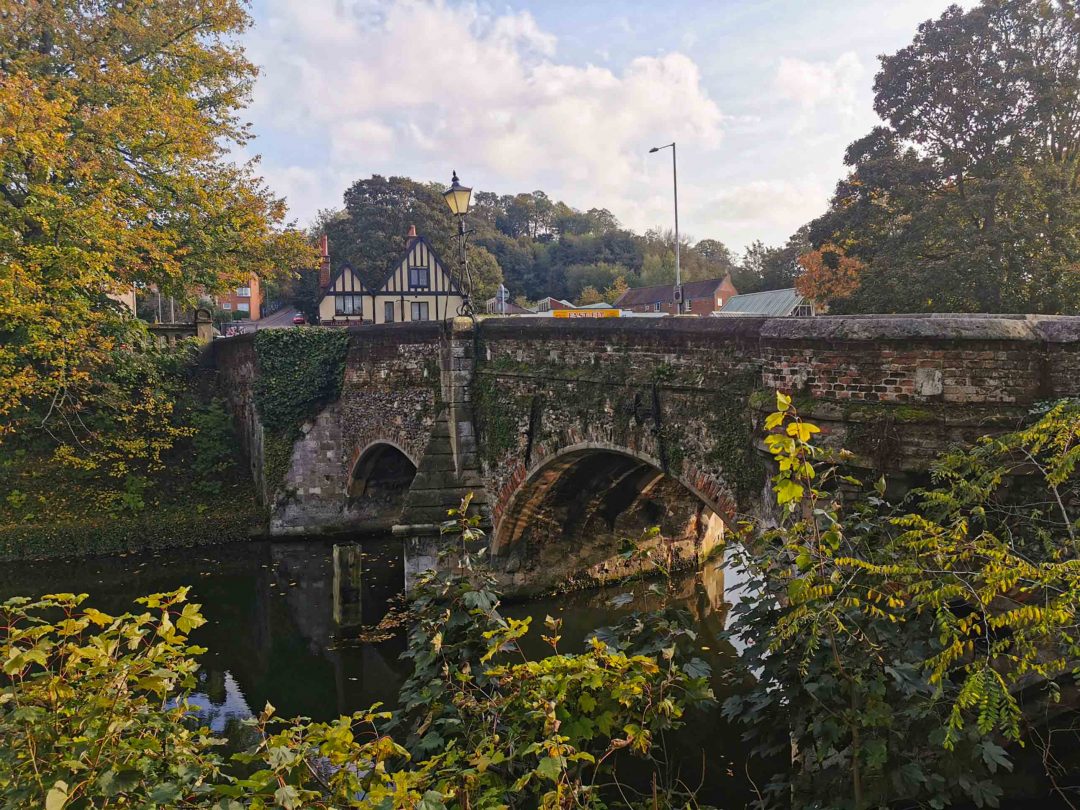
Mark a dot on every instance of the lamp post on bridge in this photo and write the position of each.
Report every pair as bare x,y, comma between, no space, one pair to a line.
458,198
677,293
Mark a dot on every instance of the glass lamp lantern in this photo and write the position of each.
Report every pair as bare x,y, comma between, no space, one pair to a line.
458,197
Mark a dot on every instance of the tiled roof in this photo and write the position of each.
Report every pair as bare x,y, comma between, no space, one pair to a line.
771,302
662,293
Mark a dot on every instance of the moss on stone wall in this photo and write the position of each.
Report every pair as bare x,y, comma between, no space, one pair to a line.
618,397
300,372
732,427
495,417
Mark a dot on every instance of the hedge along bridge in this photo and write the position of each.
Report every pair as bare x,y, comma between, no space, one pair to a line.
575,435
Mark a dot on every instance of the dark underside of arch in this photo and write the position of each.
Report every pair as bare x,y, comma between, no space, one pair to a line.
573,518
379,483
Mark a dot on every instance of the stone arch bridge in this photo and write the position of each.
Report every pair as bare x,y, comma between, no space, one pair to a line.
574,435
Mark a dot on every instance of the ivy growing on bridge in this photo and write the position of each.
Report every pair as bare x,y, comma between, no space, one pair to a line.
300,372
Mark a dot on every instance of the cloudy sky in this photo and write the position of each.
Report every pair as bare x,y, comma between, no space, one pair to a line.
762,97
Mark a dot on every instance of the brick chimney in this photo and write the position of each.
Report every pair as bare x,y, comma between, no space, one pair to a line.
324,262
411,237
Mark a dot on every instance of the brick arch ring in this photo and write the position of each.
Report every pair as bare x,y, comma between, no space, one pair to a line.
527,487
363,462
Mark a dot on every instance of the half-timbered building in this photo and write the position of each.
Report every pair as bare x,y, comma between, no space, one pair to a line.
419,288
345,299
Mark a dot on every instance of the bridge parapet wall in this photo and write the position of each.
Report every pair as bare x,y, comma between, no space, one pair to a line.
898,390
492,408
911,359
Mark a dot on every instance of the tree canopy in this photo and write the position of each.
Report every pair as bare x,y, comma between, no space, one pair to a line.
535,245
967,199
116,125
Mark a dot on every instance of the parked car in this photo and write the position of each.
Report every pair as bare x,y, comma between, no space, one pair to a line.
299,320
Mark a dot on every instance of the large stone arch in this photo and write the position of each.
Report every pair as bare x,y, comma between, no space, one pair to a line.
561,520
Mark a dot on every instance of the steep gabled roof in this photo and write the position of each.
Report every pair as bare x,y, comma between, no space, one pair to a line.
425,255
353,285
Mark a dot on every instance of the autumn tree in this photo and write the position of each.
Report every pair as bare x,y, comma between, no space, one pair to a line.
116,125
590,295
829,275
616,291
599,276
969,198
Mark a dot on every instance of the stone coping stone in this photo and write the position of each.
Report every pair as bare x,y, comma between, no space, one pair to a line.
936,327
1056,329
856,328
601,328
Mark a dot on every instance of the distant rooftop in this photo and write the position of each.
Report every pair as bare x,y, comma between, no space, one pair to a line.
663,293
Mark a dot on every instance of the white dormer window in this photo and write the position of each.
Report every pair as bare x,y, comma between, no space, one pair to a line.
719,302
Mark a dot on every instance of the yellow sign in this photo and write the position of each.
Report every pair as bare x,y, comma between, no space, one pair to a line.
586,313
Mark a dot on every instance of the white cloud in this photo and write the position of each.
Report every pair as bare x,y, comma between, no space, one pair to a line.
349,137
832,87
422,86
760,209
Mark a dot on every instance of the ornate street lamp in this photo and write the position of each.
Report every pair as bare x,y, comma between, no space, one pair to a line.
458,198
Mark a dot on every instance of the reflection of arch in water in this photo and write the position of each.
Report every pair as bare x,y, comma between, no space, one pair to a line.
575,509
379,482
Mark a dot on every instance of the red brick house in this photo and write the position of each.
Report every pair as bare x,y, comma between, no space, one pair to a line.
246,299
699,297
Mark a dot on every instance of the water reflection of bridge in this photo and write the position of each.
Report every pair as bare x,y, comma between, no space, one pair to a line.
311,600
280,616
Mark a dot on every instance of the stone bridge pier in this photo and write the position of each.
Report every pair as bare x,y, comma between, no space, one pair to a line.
578,437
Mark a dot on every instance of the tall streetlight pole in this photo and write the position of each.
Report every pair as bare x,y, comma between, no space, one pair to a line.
677,292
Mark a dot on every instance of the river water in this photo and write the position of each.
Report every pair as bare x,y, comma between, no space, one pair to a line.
283,618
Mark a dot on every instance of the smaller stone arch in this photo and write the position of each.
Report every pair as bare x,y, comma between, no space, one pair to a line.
379,480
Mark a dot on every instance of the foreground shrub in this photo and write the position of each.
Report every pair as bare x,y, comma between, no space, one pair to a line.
94,712
893,644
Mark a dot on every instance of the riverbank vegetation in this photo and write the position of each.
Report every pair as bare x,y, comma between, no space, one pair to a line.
897,654
117,127
154,464
907,653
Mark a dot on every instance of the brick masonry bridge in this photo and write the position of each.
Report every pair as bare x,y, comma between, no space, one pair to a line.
575,435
